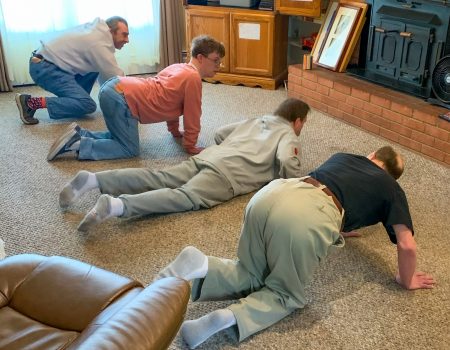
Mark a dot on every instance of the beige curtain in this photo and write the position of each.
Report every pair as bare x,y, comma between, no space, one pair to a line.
172,32
5,82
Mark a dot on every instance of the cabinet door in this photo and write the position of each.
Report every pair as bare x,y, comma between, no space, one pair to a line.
210,22
251,44
298,8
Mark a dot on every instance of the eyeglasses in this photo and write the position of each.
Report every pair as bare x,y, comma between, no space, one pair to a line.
217,61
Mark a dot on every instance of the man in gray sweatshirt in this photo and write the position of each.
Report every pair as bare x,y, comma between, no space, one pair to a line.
248,155
68,67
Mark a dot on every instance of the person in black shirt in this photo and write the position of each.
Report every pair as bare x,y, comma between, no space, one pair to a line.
363,187
290,225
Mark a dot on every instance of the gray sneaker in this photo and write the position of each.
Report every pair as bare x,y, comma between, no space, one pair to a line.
62,144
26,113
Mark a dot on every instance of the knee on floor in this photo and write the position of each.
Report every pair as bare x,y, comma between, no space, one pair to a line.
89,106
132,150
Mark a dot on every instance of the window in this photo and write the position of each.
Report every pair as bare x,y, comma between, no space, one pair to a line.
24,23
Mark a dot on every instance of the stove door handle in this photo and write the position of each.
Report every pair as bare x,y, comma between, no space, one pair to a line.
384,31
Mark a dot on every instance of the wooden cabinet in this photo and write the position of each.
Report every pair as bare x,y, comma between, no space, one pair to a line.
256,41
299,8
207,20
253,48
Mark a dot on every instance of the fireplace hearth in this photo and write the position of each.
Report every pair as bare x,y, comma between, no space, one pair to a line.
405,41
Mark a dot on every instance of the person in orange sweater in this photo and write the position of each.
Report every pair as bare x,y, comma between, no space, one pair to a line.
128,101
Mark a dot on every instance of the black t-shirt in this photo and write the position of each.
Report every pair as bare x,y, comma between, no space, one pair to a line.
367,193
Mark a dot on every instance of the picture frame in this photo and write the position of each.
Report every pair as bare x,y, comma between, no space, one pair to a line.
323,31
356,35
342,30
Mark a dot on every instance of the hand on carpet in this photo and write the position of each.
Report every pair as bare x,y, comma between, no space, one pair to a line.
420,280
194,150
178,134
351,234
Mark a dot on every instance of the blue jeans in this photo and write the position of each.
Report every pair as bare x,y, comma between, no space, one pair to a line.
73,91
122,138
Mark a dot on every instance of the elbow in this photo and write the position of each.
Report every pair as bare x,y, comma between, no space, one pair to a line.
291,168
408,246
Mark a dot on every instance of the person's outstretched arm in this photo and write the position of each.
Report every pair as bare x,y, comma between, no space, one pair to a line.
192,112
222,133
106,63
407,275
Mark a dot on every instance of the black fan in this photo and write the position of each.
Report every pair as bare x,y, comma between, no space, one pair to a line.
440,80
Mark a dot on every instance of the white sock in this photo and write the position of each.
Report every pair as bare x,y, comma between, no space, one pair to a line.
197,331
105,208
2,249
190,264
116,207
83,182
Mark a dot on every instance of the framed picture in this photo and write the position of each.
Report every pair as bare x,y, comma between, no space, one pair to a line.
324,29
356,34
342,30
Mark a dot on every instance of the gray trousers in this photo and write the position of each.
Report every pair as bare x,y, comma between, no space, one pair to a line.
190,185
289,227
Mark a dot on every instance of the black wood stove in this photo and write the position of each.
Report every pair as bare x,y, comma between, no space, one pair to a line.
405,41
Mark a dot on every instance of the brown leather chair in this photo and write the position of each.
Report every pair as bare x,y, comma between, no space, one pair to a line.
61,303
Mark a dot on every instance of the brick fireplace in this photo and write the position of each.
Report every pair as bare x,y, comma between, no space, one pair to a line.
398,117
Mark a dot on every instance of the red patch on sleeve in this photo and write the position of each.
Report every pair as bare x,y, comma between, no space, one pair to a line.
295,150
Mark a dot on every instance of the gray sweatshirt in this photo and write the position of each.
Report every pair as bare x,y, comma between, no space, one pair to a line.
84,49
253,152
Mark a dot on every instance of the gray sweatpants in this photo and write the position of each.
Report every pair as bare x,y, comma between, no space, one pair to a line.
190,185
289,227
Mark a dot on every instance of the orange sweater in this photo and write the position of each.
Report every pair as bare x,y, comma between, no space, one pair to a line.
175,91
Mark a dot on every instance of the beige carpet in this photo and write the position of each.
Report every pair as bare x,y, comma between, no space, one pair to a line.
354,301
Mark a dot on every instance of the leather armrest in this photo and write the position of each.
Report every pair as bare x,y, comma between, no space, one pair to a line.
150,321
13,271
60,292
